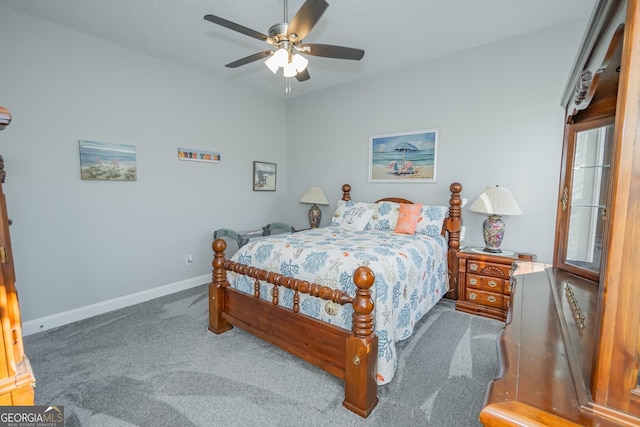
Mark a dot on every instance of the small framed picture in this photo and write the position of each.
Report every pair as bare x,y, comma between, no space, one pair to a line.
264,176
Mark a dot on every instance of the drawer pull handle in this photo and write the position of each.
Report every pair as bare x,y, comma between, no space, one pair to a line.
473,267
472,296
491,298
473,282
492,283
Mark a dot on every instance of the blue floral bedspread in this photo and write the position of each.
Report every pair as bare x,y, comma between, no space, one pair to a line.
410,271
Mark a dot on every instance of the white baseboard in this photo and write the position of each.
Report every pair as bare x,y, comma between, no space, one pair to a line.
70,316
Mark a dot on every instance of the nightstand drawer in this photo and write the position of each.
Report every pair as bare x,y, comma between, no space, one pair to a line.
489,269
490,284
488,299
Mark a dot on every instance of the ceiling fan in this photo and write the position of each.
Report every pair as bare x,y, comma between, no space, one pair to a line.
286,41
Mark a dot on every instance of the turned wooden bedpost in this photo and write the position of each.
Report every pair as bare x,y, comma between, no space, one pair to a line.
216,292
346,192
454,226
360,387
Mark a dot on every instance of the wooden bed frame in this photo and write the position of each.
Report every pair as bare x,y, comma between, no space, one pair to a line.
350,355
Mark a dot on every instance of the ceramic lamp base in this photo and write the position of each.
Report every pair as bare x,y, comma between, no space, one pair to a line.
493,231
314,216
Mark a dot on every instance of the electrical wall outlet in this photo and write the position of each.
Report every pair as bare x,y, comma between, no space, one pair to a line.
189,260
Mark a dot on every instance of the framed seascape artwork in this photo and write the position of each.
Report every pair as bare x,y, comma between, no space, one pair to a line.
264,176
107,161
403,157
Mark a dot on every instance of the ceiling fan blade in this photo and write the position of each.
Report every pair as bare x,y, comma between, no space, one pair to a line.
248,59
303,75
239,28
332,51
306,18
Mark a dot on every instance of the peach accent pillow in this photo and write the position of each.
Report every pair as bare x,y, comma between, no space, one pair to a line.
408,218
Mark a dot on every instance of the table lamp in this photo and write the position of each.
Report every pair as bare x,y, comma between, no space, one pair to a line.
495,201
315,196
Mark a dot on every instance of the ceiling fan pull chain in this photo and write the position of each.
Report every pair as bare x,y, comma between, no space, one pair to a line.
287,85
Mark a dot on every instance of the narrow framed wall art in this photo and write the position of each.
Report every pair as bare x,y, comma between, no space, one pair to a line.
199,155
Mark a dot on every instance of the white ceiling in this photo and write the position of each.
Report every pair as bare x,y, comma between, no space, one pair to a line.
394,34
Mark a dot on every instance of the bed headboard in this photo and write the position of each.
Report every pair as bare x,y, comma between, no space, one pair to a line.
395,199
453,222
451,228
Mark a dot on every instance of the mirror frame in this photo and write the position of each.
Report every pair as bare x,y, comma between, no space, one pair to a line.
566,182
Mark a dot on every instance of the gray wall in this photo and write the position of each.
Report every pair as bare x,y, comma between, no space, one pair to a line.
78,243
497,109
90,243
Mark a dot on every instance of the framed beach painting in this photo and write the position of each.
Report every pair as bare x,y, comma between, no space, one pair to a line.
403,157
264,176
107,161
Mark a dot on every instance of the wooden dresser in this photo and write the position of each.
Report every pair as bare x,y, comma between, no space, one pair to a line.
537,385
570,350
16,377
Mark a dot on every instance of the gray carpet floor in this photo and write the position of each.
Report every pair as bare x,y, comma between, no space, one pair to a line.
156,364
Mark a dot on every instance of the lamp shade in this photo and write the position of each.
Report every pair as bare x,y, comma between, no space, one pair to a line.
314,195
496,201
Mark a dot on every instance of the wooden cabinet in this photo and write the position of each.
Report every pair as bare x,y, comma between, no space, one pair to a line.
16,377
571,346
484,283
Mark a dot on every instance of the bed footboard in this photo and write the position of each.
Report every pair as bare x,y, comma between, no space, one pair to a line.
350,355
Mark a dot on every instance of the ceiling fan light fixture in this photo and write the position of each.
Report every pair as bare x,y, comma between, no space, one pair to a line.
290,70
280,58
271,63
300,62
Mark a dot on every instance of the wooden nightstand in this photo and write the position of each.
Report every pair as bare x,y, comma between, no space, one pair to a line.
484,285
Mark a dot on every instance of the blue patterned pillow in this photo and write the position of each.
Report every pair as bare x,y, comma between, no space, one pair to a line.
386,218
431,220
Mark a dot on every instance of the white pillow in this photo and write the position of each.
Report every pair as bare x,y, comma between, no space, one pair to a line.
342,207
357,218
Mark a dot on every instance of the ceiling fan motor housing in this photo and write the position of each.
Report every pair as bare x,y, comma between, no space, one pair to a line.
278,32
